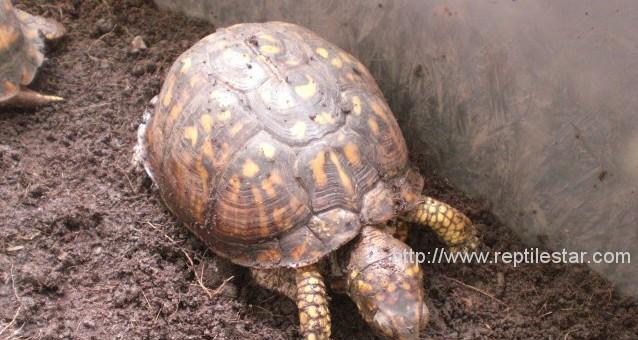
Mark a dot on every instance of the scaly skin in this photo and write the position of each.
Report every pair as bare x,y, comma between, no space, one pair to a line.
386,287
452,226
312,302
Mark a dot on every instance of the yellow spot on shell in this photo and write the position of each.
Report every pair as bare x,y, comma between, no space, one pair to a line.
356,105
224,115
250,168
277,215
322,52
336,62
346,57
352,153
168,95
276,178
268,150
318,172
308,90
298,130
378,109
324,118
186,65
374,126
175,111
343,176
268,187
269,49
207,122
190,133
236,128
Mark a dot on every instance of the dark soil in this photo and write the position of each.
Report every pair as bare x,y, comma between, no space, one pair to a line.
88,251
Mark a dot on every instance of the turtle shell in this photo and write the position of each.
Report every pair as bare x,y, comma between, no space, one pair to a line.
275,146
22,38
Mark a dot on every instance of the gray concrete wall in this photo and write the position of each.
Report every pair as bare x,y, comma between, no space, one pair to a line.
530,104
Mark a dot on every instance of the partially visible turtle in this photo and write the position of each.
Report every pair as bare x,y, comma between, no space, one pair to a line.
22,38
279,151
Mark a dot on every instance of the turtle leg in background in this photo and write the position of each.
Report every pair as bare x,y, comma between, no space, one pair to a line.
386,285
305,286
26,98
452,226
35,30
35,25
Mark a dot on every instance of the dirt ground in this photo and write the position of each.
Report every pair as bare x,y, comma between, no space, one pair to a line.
87,250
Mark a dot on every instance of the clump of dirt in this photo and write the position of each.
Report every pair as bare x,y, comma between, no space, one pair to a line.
88,251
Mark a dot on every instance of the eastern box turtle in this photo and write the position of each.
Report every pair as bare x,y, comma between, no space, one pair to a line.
22,37
279,151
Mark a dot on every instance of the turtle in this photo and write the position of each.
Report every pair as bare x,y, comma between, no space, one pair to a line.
279,151
22,42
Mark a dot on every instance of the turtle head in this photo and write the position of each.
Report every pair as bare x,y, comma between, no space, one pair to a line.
386,286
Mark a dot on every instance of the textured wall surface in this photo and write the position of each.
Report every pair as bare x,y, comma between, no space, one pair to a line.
532,105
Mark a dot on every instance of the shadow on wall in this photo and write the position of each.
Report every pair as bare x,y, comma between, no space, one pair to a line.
531,105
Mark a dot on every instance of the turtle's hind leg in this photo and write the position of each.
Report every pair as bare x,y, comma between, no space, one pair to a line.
452,226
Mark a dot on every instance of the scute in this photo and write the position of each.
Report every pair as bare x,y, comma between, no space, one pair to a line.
257,198
275,146
371,117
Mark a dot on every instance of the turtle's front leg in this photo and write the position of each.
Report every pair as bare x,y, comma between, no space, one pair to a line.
314,315
452,226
